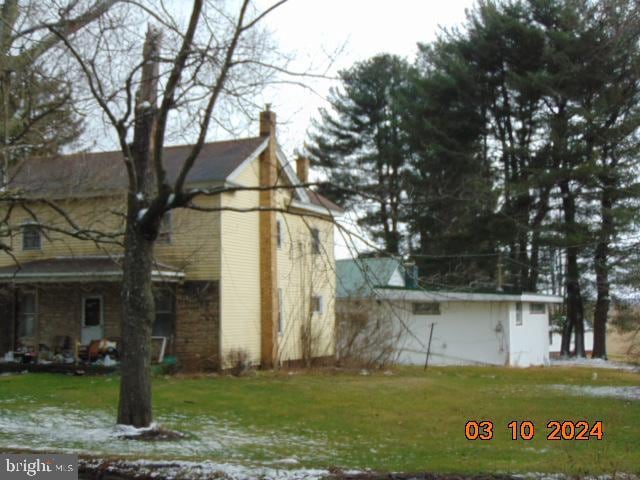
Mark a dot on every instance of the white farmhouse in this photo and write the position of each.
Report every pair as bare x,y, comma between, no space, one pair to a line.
447,327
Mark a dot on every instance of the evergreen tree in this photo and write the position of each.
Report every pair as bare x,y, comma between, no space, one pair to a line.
37,115
556,88
504,50
450,186
608,106
361,144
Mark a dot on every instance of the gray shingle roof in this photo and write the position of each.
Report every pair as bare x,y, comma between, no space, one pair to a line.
86,173
59,268
82,174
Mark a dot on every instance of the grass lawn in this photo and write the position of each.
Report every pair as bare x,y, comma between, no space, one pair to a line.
408,421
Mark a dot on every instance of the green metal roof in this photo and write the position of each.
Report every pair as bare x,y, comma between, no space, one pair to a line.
358,277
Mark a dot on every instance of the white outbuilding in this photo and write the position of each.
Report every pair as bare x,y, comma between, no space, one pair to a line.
441,327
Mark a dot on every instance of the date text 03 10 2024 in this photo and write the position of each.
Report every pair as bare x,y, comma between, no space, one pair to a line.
526,430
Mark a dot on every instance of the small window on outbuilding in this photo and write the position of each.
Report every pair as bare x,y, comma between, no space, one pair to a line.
315,241
518,314
31,237
537,308
426,308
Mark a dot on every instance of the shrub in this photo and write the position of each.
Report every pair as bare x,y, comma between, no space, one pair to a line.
237,361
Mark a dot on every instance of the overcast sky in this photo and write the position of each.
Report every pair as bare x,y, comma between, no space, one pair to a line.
314,29
322,37
359,29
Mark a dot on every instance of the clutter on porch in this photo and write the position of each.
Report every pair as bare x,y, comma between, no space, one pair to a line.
65,352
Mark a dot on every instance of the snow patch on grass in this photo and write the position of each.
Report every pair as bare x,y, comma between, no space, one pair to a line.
594,363
208,470
625,393
94,434
562,476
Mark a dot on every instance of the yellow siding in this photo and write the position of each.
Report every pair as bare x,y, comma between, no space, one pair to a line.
194,243
221,246
301,275
100,214
240,269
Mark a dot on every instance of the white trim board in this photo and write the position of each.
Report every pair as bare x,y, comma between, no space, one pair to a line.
247,161
291,174
285,165
427,296
312,207
114,276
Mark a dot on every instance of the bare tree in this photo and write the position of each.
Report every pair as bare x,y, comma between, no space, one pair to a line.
217,56
36,109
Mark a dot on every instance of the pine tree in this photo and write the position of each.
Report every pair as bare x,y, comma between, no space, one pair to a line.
37,114
450,197
362,146
504,50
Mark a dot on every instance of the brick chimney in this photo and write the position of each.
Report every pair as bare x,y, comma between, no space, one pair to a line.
268,248
302,169
267,122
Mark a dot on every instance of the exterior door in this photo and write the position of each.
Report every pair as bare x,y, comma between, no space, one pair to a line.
92,319
26,319
7,321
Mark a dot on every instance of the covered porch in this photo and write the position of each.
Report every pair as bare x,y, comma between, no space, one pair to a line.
69,310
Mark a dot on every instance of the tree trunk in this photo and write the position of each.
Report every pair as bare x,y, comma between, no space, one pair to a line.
567,331
601,261
575,309
137,321
143,221
536,225
575,312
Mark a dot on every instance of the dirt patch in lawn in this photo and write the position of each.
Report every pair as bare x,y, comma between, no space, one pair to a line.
155,435
103,470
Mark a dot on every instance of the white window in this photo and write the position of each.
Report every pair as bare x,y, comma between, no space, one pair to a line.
317,304
518,313
26,313
164,235
92,311
280,311
165,320
426,308
31,237
315,241
279,233
537,308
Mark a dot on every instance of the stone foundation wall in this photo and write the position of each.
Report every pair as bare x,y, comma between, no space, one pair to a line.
197,329
197,343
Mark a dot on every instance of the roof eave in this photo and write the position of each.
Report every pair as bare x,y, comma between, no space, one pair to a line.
444,296
66,277
312,207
